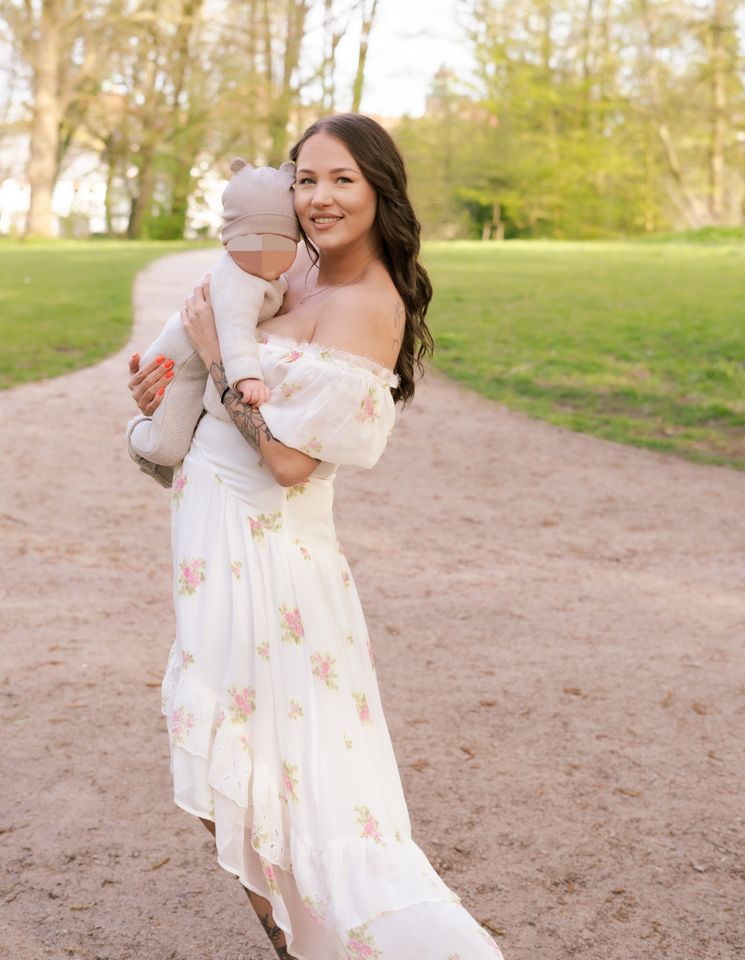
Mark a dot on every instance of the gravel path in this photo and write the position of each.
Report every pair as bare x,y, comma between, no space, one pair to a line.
559,627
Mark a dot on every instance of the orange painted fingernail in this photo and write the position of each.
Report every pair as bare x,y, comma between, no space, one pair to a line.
159,359
161,391
169,374
168,364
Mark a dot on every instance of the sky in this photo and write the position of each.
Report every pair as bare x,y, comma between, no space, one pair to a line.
410,40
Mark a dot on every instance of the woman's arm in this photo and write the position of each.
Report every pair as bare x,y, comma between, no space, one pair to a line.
287,465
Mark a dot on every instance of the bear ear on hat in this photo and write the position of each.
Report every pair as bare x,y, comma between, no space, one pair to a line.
238,164
288,167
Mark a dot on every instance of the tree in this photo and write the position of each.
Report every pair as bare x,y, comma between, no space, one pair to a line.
60,41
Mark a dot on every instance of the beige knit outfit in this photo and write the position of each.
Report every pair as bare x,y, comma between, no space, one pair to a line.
255,201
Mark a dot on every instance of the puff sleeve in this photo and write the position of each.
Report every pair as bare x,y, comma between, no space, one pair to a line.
334,406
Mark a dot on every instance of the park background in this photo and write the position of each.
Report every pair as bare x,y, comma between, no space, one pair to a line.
558,619
616,127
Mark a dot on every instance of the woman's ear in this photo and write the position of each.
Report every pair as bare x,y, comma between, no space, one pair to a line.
238,164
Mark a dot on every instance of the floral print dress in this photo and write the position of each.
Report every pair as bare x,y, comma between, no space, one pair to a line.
274,716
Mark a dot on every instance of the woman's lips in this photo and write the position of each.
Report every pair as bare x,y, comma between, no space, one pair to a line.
324,223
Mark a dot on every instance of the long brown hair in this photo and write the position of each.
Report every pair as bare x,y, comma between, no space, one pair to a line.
381,163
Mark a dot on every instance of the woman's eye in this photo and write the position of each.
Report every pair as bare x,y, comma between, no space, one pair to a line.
304,181
344,179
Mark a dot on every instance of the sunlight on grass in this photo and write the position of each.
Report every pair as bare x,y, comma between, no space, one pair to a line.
639,343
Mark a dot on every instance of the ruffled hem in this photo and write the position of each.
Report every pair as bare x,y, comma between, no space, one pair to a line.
383,373
210,759
344,887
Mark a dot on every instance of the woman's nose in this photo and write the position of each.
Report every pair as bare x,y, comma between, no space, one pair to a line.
321,195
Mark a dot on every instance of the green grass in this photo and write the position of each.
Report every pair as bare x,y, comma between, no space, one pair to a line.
66,304
642,343
635,342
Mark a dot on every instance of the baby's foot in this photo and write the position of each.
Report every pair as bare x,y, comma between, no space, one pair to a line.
254,392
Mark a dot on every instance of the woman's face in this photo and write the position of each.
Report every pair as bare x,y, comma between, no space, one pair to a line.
334,202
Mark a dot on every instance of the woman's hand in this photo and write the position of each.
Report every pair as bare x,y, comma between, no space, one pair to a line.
149,384
199,324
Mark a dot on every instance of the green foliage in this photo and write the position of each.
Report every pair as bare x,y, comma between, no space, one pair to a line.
584,121
637,343
66,304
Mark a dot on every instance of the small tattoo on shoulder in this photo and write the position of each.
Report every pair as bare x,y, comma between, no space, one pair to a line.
397,325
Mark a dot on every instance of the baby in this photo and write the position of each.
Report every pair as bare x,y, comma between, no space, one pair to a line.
260,234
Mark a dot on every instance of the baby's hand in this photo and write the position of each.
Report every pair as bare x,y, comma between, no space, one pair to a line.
254,392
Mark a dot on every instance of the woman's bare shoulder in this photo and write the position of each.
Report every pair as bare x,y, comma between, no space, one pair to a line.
365,318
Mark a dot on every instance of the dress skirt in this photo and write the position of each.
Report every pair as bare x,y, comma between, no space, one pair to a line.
275,723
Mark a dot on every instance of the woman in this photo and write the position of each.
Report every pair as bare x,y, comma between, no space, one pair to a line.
278,740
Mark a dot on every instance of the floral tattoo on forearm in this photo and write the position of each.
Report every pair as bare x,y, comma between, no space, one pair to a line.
249,421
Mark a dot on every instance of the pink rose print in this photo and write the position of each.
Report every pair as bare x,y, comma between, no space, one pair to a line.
245,743
179,485
258,837
265,521
314,908
220,718
289,781
288,390
297,490
370,826
191,576
263,649
186,659
271,878
182,723
368,411
313,447
291,356
257,531
290,624
361,945
243,703
454,956
324,667
363,710
304,552
346,578
235,569
295,711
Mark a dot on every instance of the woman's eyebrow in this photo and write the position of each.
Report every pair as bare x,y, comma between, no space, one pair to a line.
335,170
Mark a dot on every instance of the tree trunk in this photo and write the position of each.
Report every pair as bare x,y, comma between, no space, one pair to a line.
297,11
141,202
718,112
687,204
368,18
45,124
181,191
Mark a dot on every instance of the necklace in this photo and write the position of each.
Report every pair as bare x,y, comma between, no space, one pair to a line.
314,291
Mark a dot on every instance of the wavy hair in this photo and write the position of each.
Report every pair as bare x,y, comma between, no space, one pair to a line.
381,163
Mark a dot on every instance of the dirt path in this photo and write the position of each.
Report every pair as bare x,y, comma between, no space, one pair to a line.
559,625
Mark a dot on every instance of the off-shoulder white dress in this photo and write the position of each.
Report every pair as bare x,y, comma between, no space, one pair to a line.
275,723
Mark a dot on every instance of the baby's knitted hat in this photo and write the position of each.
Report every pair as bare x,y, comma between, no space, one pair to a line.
259,200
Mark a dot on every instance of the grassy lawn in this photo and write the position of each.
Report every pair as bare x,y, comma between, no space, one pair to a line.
643,343
66,304
636,342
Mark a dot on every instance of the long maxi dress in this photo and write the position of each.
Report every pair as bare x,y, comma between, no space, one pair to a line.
274,717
